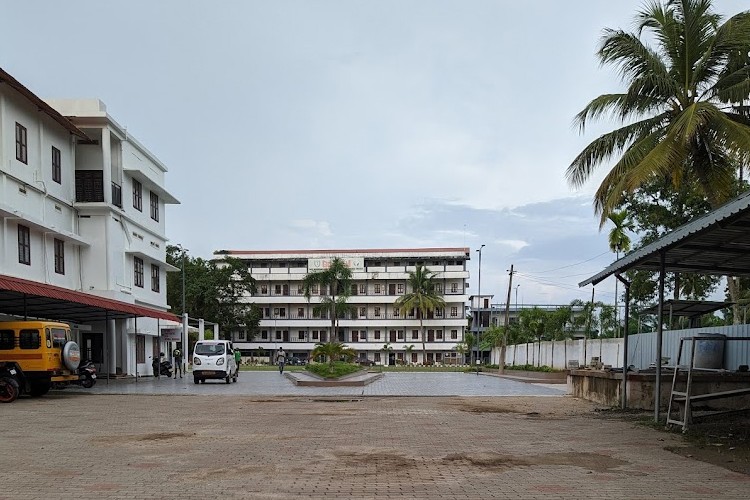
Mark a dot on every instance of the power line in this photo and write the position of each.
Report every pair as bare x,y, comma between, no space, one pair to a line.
572,265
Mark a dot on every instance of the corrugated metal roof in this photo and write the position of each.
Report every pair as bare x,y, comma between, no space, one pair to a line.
20,297
716,243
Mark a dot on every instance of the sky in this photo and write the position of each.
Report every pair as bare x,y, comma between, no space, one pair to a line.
346,124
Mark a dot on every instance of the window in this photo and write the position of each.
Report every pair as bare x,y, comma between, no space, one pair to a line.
400,288
362,312
414,334
138,271
264,334
264,289
439,334
137,195
315,334
59,256
377,334
89,186
266,312
439,312
278,335
363,335
411,313
377,357
362,289
414,357
29,339
140,348
56,165
277,289
454,287
438,288
154,206
24,245
454,312
377,288
21,144
7,339
282,312
454,334
154,277
314,290
300,312
396,312
301,335
300,290
400,335
377,312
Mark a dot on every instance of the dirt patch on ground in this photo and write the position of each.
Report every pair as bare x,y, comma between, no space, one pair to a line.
722,440
523,408
594,462
155,436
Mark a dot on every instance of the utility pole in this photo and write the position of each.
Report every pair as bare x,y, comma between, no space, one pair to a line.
504,344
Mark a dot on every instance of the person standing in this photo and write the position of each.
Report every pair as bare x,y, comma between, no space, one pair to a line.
237,359
177,355
280,359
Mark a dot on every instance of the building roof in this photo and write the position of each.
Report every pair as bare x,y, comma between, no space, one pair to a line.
378,251
40,104
715,243
20,297
688,308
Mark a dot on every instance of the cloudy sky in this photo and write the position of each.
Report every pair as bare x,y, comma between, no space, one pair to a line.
351,124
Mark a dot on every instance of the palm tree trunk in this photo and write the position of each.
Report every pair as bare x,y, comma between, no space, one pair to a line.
734,297
424,345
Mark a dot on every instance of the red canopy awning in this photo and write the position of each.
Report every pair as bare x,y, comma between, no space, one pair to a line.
20,297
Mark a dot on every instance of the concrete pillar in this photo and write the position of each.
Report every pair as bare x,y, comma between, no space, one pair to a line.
185,340
113,345
107,165
216,331
201,329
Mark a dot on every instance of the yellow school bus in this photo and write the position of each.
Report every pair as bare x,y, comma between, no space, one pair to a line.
41,353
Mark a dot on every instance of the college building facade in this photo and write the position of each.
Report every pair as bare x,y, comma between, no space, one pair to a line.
374,328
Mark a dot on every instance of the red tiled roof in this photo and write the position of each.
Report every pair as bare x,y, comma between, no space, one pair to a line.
22,297
6,77
361,251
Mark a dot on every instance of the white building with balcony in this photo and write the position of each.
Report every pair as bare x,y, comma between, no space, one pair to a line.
376,329
82,227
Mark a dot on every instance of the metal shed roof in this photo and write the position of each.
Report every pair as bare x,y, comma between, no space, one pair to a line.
20,297
716,243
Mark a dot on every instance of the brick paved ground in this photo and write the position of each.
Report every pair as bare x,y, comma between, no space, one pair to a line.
73,446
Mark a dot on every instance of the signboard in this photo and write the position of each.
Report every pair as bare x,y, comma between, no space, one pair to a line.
353,263
171,334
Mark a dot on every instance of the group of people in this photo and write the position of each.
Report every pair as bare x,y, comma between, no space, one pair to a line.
279,359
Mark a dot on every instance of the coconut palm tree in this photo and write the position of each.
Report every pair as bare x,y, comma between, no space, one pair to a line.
619,241
423,298
336,280
332,351
684,112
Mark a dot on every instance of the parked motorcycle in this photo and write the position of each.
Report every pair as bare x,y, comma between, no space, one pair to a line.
87,374
161,368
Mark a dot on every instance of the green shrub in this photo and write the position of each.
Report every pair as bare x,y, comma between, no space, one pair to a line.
338,369
532,368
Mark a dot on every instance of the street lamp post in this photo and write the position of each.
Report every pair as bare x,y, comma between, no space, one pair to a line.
479,303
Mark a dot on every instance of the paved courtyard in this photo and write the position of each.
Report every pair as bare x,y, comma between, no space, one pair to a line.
179,440
256,383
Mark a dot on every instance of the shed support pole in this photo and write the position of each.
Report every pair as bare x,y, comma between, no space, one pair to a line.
625,363
659,332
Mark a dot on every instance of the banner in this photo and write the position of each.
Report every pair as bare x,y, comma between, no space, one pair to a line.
353,263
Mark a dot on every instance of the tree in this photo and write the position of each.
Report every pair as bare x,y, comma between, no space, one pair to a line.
619,241
469,341
335,281
407,353
461,349
386,349
332,351
423,298
214,290
684,114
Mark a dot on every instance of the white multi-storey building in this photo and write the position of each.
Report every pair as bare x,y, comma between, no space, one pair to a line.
68,233
375,329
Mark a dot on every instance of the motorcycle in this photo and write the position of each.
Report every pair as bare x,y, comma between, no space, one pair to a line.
161,368
87,374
